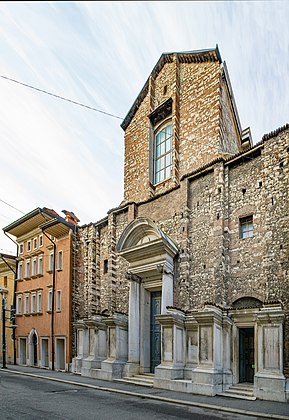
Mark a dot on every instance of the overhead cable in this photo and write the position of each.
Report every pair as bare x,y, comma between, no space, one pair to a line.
10,205
61,97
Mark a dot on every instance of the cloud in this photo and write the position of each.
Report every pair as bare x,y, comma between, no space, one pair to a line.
56,154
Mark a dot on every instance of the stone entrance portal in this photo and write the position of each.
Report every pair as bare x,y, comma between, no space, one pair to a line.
150,254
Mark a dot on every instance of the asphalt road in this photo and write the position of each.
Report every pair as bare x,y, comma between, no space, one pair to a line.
24,397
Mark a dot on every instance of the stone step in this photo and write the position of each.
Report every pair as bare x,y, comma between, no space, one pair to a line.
143,380
146,377
233,395
243,391
239,391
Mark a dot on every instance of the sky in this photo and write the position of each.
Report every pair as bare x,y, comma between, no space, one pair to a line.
59,155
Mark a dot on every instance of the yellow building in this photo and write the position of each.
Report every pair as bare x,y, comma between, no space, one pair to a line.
7,265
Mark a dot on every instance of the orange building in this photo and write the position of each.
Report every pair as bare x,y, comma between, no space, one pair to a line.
7,270
44,287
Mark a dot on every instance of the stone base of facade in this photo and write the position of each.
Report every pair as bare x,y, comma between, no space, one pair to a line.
268,387
109,371
287,390
131,369
227,379
207,382
88,364
76,364
200,351
178,385
169,372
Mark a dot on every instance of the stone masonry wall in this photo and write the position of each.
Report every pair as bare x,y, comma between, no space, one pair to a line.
87,272
202,217
229,135
136,157
201,115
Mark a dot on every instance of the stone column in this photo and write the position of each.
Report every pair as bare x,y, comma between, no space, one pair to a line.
192,346
112,367
269,379
207,376
133,365
82,346
227,353
97,345
173,348
167,285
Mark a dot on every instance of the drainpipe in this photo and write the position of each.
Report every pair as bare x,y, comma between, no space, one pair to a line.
3,332
53,293
14,298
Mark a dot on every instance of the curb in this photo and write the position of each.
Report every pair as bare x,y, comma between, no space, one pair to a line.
156,398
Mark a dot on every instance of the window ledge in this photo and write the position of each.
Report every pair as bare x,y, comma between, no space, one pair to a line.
39,275
34,313
49,312
49,271
26,278
34,276
20,279
18,314
161,182
59,269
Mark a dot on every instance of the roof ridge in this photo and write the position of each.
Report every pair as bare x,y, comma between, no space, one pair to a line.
274,133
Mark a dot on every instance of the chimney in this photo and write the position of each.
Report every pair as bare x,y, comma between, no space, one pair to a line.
246,139
70,217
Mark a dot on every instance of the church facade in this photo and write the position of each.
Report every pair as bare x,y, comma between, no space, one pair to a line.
187,280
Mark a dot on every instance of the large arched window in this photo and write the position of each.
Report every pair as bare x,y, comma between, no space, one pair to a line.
163,153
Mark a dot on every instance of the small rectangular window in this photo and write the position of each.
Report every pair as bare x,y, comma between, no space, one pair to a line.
27,274
35,243
40,240
19,305
49,302
34,267
28,246
39,302
33,303
246,227
51,261
58,300
60,260
21,248
40,265
26,304
20,270
105,266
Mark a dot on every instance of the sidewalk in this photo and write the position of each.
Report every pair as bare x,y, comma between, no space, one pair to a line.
258,408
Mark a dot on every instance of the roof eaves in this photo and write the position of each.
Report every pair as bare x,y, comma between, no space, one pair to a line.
22,219
7,256
205,55
56,220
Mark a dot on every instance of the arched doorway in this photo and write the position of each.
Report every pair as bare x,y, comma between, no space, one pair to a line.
33,348
150,254
246,337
